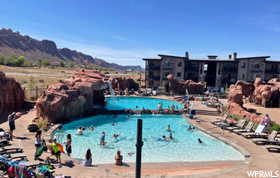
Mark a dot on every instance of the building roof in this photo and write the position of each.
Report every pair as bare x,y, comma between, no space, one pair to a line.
260,57
151,59
214,60
164,55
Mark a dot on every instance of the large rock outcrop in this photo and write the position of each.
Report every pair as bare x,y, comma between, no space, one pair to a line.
119,84
236,95
179,87
11,94
267,95
72,98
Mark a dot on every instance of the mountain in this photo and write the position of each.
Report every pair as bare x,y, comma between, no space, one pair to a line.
15,44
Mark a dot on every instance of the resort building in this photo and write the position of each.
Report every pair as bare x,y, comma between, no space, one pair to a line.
215,72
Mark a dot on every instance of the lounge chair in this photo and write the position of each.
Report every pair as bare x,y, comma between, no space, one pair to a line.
11,151
247,129
240,125
220,121
274,149
271,139
258,133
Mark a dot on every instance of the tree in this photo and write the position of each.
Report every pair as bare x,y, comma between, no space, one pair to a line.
45,63
39,63
62,64
18,62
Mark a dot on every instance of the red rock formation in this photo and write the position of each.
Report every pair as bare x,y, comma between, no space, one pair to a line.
235,100
124,83
71,98
267,94
179,87
11,94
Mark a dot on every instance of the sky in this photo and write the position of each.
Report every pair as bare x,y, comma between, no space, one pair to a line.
125,31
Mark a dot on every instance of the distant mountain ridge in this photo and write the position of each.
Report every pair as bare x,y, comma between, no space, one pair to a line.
15,44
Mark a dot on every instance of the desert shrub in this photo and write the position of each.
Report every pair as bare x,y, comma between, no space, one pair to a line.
42,123
274,126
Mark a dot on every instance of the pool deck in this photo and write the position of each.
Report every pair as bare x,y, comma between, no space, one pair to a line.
260,158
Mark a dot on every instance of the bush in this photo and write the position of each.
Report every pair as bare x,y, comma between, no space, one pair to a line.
42,123
274,126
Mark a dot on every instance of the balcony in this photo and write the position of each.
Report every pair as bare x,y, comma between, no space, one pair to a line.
153,67
167,67
154,77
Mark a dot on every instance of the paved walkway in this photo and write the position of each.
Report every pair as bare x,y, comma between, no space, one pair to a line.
260,158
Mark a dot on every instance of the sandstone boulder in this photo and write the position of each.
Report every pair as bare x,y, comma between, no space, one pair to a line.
72,98
119,84
267,95
180,87
236,95
11,94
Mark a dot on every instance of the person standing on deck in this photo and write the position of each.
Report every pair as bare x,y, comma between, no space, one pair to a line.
12,126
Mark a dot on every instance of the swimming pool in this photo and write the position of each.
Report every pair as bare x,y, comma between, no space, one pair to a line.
185,146
138,103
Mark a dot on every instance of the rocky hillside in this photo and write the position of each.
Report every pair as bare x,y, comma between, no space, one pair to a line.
15,44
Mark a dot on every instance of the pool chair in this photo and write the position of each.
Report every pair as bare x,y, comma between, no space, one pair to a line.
4,135
258,133
4,143
11,151
269,140
274,149
240,125
220,121
247,129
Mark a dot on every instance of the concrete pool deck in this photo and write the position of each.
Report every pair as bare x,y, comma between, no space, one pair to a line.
260,158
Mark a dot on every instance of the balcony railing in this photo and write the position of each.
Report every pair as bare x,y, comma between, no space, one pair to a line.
153,67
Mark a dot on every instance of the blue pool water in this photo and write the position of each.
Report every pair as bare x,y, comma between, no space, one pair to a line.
138,103
185,147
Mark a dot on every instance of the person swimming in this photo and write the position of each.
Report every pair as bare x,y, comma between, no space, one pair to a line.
168,129
190,128
199,140
102,139
115,136
80,131
170,136
163,138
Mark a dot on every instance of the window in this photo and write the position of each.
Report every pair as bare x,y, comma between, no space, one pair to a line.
178,74
243,76
257,66
179,64
243,65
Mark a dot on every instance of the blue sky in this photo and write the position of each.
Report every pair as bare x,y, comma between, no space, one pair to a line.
124,31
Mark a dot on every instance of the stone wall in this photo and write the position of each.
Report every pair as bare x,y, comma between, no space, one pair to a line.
11,94
72,98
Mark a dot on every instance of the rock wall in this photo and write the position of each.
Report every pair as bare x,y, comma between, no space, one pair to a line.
179,87
124,83
72,98
267,95
11,94
236,95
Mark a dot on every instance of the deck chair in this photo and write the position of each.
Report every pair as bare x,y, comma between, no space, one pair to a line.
273,149
220,121
248,128
240,125
259,132
271,139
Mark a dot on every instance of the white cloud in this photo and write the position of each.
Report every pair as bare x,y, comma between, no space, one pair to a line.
118,56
